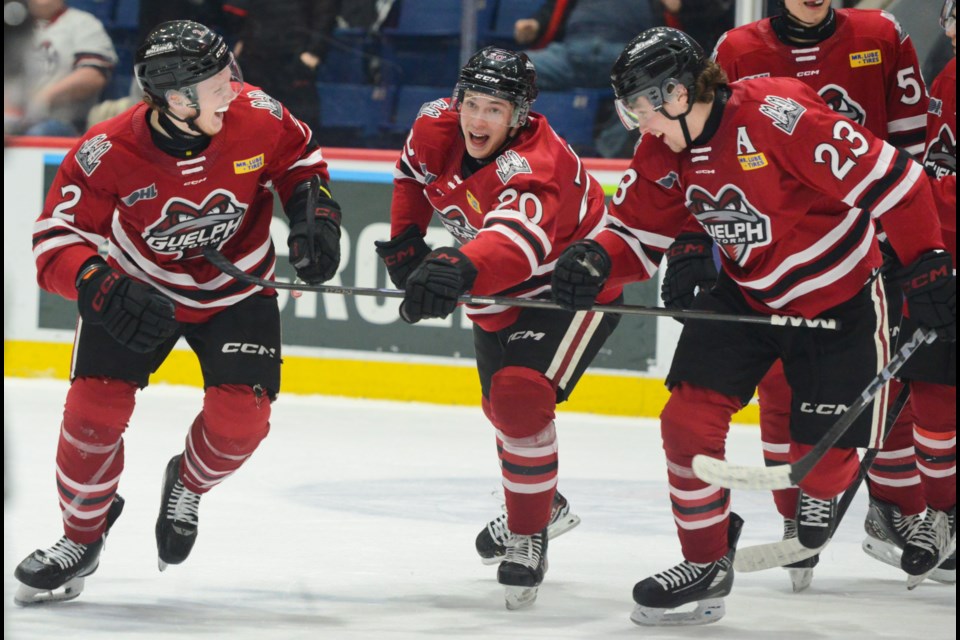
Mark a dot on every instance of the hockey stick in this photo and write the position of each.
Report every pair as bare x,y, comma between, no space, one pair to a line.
724,474
784,552
221,262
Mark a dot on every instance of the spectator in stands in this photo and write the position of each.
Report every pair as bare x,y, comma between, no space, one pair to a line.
281,44
68,66
704,20
573,44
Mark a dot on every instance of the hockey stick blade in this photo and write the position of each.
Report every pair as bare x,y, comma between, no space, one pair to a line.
724,474
783,552
221,262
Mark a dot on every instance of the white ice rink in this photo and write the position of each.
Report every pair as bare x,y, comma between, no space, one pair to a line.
356,519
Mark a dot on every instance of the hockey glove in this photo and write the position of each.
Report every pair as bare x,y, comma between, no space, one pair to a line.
432,289
931,292
690,267
314,239
402,254
581,271
137,316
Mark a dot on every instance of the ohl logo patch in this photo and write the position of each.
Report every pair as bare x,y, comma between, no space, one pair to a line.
842,104
186,228
733,223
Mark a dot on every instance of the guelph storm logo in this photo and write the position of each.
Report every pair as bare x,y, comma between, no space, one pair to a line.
733,223
842,104
941,156
186,228
457,224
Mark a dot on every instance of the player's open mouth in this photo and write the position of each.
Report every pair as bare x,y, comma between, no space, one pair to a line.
813,4
478,140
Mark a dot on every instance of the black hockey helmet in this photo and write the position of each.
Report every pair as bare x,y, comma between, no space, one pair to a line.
176,56
654,65
501,73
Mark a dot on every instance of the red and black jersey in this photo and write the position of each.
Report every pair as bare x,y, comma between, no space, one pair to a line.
866,71
940,157
514,216
787,189
156,213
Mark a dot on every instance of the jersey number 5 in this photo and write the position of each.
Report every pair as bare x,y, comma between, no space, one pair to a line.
841,165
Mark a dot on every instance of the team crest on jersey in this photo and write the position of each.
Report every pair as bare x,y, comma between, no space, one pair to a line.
733,223
842,104
260,100
941,156
935,107
185,228
785,112
145,193
510,164
456,223
668,181
432,109
865,58
90,153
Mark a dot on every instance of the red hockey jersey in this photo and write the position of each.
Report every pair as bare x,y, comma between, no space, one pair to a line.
940,158
866,71
155,213
786,188
514,216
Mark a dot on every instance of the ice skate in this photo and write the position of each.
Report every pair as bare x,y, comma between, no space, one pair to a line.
491,542
888,531
179,518
57,574
934,541
815,520
522,569
705,584
801,572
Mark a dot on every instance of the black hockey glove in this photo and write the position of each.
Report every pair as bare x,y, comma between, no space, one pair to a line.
931,292
314,239
433,288
581,271
690,267
137,316
402,254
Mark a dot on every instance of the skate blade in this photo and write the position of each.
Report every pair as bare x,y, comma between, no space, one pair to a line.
800,579
944,576
497,559
162,565
882,550
561,526
29,596
519,597
914,581
706,612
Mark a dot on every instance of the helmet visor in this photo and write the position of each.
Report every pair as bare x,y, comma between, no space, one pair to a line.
493,109
948,15
219,90
637,108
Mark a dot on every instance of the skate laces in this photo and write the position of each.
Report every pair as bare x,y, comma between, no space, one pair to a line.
684,573
183,506
934,534
815,512
65,553
525,550
498,529
907,526
789,528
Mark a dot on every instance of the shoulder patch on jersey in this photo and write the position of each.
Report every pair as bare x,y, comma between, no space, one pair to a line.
90,153
249,165
260,100
185,228
842,104
901,34
865,58
433,108
669,181
733,223
510,164
935,107
143,193
785,112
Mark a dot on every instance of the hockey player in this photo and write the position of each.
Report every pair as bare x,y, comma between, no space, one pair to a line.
514,195
789,190
932,371
865,68
188,168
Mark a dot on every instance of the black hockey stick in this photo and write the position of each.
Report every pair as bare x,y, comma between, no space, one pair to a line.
783,552
724,474
221,262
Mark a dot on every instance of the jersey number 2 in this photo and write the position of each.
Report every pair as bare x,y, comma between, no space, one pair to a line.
842,130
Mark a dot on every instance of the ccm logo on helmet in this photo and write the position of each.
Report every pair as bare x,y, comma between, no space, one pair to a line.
249,348
486,78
